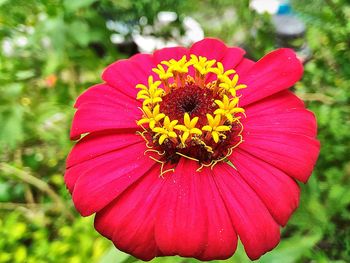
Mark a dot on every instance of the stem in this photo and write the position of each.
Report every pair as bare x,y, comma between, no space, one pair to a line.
36,182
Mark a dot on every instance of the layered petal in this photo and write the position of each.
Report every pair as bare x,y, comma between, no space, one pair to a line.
108,176
232,57
275,104
169,53
253,223
281,132
298,121
210,48
294,154
278,191
276,71
125,74
129,221
193,221
99,143
104,94
244,65
102,114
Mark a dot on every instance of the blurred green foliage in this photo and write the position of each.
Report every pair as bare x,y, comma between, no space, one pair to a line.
52,50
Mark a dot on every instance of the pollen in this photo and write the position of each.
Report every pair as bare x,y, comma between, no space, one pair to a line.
184,116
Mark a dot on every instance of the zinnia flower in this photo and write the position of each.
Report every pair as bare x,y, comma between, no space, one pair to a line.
185,150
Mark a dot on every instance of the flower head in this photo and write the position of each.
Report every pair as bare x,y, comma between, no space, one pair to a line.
212,155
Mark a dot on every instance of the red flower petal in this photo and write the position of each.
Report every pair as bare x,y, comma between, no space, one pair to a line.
278,191
232,57
254,224
276,71
222,238
92,117
294,154
169,53
299,121
104,94
280,131
129,220
99,143
244,66
192,201
108,176
277,103
125,74
210,48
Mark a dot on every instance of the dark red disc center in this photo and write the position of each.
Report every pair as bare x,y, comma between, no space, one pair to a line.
196,101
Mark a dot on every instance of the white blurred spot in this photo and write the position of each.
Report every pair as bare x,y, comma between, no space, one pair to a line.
265,6
117,38
166,17
7,47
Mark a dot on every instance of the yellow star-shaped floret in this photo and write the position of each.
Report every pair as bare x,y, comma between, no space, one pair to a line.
151,94
166,131
228,107
202,64
180,66
216,130
188,128
221,73
230,85
151,117
162,73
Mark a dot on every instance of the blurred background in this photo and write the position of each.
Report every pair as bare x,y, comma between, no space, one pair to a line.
52,50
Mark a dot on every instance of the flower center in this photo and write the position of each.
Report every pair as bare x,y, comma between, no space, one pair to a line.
185,116
191,99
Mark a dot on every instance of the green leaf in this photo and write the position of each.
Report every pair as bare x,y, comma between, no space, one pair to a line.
76,4
11,121
3,2
291,250
114,255
79,31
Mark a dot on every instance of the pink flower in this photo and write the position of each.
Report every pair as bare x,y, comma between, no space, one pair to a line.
206,150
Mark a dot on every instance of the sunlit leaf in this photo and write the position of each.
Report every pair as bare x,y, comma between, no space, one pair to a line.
114,255
74,5
291,250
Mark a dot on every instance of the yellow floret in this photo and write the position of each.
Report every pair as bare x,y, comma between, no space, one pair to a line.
221,73
230,85
202,64
228,108
151,117
189,128
162,73
214,128
179,66
166,131
151,94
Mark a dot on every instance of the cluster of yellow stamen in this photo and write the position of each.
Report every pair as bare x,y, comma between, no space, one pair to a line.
188,129
151,94
228,108
215,127
174,75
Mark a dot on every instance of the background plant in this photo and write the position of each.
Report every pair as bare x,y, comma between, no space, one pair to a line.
52,50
